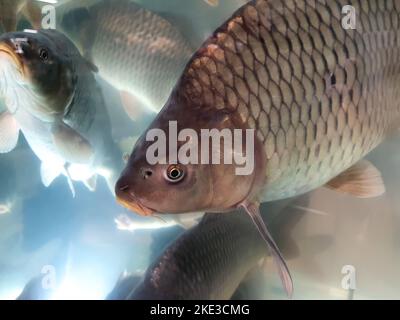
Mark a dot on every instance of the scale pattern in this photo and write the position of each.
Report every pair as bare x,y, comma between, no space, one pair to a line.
138,51
207,262
319,96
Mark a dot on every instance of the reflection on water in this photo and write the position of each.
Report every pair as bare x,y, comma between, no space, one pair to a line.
83,244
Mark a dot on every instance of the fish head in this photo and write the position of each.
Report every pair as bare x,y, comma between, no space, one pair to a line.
161,188
41,62
175,186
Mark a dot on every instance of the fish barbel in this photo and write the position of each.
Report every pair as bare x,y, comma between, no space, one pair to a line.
319,90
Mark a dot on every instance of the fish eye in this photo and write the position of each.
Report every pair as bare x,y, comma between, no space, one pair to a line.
175,173
43,54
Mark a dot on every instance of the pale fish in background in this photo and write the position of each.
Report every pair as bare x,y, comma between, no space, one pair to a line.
137,51
53,99
126,223
318,97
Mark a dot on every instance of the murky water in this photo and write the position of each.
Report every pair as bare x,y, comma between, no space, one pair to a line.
337,247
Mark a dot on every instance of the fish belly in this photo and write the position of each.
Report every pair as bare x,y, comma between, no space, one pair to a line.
319,94
38,135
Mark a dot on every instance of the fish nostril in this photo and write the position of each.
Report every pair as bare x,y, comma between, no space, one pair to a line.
147,173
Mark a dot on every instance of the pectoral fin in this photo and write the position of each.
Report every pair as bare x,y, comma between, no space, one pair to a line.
71,145
284,273
9,132
363,180
49,173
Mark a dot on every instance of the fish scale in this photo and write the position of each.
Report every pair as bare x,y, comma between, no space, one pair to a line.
135,50
319,97
207,262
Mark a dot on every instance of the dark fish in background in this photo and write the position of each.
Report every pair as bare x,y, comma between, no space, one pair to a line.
53,99
124,286
319,97
136,51
34,290
43,286
210,260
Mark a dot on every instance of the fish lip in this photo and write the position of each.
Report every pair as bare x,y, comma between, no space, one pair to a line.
10,51
134,204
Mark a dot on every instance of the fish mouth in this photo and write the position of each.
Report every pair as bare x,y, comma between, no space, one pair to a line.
133,204
9,51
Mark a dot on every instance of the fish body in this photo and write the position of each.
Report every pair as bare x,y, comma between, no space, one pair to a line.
53,99
209,261
316,118
318,91
136,50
